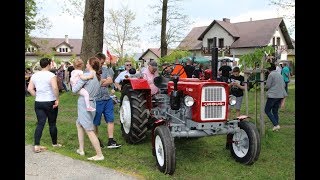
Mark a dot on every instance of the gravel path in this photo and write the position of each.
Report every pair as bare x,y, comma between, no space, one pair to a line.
50,165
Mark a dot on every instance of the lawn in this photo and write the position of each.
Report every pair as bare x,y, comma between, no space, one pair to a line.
203,158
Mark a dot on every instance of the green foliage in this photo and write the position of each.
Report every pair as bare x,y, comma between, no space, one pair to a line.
252,60
202,158
30,23
73,57
176,54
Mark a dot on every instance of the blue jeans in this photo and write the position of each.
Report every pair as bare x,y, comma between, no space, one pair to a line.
272,108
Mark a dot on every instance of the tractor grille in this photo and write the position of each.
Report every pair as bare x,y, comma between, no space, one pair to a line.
213,103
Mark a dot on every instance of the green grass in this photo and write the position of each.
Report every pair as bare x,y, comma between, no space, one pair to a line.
203,158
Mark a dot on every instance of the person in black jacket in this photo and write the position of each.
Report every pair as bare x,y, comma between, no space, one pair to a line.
189,68
237,86
224,72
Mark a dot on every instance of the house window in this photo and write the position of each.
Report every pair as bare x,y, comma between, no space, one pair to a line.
30,49
278,41
273,41
221,42
63,49
210,43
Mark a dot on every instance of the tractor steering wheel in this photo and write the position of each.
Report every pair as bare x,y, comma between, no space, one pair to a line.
165,73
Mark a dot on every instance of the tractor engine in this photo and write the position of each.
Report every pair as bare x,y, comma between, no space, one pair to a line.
193,108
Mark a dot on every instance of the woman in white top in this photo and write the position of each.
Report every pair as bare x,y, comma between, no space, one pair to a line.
43,85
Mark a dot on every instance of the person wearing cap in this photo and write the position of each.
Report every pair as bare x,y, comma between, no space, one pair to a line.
149,74
224,71
237,86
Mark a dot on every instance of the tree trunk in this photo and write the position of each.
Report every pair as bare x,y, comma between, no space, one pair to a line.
262,125
93,21
164,46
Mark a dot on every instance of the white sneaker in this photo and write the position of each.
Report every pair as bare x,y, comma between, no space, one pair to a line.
276,128
81,153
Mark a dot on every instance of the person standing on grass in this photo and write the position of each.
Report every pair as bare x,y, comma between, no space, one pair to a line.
104,103
285,72
275,94
237,87
85,118
77,74
44,86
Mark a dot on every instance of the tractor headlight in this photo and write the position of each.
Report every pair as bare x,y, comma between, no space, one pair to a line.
232,100
188,101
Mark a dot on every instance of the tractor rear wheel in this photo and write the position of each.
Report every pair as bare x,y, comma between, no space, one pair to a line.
164,150
245,146
133,115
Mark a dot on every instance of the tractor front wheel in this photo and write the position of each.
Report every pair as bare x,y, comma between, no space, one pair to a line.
245,145
164,150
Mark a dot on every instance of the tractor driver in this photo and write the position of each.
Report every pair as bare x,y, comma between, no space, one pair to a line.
149,74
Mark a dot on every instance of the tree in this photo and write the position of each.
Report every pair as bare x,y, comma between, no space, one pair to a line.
93,21
287,7
30,23
176,54
33,21
176,22
164,45
73,7
120,31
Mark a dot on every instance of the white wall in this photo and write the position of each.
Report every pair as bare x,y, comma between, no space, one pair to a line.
219,32
63,46
276,34
149,55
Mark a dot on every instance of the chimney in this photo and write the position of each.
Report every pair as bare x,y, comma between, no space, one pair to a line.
66,39
250,19
226,20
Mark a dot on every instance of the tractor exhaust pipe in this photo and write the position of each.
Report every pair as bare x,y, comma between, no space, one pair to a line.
214,63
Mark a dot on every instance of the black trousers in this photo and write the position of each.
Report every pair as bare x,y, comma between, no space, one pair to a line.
44,111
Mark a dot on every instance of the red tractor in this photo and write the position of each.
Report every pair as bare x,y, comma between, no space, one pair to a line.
184,108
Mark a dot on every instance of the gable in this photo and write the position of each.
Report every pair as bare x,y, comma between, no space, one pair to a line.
155,53
50,45
219,32
244,34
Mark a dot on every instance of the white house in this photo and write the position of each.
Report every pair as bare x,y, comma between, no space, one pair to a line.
152,54
62,49
236,39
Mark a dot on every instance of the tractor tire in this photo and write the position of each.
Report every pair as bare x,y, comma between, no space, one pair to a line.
245,147
164,150
133,115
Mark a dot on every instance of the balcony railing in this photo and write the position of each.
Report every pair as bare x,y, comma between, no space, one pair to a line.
208,51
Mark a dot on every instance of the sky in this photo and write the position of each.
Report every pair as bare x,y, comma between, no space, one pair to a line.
201,12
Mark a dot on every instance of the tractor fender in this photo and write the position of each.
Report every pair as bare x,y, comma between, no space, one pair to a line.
137,83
